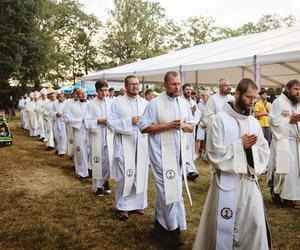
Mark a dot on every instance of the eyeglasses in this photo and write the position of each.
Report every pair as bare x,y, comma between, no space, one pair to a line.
132,84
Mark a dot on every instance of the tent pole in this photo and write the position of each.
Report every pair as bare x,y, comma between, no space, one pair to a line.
143,83
196,79
256,72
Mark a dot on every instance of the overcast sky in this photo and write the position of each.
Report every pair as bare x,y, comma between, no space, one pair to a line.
230,13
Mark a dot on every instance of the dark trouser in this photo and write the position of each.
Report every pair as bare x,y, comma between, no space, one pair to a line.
267,134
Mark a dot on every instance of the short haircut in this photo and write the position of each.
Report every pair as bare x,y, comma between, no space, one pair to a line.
168,74
223,81
291,83
129,77
148,91
101,84
186,85
244,84
111,89
262,91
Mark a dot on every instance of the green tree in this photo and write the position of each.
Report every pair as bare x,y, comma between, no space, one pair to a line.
74,51
197,30
21,42
136,30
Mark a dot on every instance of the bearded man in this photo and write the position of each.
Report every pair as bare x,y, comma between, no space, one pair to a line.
284,165
233,215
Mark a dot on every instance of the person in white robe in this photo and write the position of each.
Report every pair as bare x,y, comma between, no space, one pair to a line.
47,114
166,120
59,128
216,102
202,126
101,138
76,115
39,113
192,172
130,157
70,132
284,166
21,107
32,118
233,216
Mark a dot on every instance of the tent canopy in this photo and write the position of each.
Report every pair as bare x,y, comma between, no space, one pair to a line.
274,54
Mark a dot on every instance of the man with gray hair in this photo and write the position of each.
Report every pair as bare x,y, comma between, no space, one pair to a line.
216,102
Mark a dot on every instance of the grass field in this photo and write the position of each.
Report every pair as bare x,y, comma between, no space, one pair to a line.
43,206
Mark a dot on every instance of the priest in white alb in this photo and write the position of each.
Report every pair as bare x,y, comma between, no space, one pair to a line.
101,137
69,129
192,172
216,102
47,114
32,123
21,107
76,115
284,166
130,157
59,128
233,216
39,113
167,119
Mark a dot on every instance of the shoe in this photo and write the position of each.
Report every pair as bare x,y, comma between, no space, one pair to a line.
50,148
61,155
192,176
275,197
107,188
175,240
100,192
123,215
81,178
165,238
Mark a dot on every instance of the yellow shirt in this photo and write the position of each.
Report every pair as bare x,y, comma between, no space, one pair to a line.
260,108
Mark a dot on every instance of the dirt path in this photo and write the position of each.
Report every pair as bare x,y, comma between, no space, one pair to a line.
43,206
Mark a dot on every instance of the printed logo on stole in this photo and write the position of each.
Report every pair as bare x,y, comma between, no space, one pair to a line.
170,174
71,141
77,148
96,159
187,147
226,213
129,172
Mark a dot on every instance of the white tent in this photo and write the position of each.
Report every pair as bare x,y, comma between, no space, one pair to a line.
275,56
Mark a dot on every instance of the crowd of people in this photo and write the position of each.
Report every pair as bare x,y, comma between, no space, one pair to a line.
120,137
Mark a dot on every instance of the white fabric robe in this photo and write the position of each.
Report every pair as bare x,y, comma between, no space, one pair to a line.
170,216
27,121
21,106
47,111
190,165
99,133
76,115
287,182
39,113
69,129
59,128
120,126
32,118
215,103
250,230
200,130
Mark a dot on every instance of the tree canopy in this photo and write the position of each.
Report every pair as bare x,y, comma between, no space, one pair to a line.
55,41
